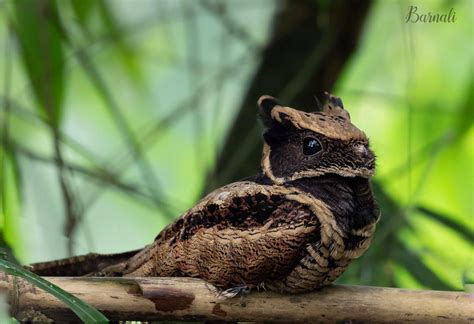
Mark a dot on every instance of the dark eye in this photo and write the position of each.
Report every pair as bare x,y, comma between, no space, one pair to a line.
311,146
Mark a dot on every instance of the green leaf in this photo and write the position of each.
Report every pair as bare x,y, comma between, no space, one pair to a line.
466,114
10,200
84,311
42,53
412,262
463,231
116,33
83,9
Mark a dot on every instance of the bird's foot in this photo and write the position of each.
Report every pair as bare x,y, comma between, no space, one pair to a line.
234,291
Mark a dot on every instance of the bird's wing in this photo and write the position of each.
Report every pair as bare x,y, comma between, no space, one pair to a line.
243,233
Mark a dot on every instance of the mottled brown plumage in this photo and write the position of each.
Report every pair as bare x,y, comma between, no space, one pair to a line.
293,227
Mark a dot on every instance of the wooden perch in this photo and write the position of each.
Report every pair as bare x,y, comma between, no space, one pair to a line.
148,299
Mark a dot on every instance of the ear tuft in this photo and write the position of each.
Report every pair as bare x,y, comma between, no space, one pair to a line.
266,104
334,107
319,105
331,99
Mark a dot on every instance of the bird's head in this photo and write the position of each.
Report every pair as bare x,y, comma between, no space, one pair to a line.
299,144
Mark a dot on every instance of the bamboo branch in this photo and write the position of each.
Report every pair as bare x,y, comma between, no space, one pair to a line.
148,299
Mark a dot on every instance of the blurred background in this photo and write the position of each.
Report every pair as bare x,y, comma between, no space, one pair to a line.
117,116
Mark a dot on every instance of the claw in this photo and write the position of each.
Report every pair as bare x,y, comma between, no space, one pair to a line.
234,291
261,286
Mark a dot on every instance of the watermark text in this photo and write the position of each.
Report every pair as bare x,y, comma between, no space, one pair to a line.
416,16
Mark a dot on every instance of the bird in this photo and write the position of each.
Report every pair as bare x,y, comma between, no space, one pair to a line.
293,227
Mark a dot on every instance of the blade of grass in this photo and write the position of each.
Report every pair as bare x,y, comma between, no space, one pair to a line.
83,9
126,52
10,176
84,311
412,262
194,70
463,231
466,114
42,53
43,57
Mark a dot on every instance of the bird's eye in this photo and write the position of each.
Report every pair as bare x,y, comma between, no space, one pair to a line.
311,146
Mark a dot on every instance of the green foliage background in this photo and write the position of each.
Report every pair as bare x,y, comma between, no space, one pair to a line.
113,114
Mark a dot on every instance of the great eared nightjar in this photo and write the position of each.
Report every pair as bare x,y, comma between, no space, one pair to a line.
293,227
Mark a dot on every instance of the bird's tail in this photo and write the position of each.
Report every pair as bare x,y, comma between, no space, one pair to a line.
80,265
